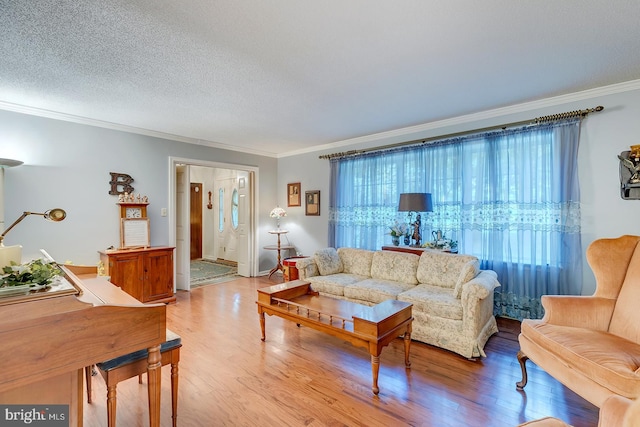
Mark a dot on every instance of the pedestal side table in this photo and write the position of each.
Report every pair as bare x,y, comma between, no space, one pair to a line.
278,247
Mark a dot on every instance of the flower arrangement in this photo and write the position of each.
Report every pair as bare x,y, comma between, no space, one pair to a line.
33,273
278,213
443,245
398,229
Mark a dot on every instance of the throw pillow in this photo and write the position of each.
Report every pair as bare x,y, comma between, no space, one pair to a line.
468,272
328,261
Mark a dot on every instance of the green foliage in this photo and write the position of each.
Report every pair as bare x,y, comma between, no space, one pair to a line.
32,273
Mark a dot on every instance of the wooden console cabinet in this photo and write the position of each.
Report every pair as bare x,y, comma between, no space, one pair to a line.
414,250
145,273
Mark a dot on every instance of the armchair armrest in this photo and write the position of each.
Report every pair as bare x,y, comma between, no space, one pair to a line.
615,410
307,267
580,311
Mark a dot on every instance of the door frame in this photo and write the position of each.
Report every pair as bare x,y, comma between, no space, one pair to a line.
253,171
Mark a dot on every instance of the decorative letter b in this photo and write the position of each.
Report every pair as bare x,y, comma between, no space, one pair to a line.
120,180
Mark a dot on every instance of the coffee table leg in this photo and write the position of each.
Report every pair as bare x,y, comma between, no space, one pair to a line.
375,368
261,313
407,345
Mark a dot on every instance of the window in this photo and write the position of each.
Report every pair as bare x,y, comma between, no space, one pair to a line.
234,209
221,209
510,197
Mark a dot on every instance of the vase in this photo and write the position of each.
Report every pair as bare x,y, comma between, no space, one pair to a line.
407,239
395,240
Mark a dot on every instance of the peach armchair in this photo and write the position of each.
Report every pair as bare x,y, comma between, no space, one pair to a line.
616,411
591,344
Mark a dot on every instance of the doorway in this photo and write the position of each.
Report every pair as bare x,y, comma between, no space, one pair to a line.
240,183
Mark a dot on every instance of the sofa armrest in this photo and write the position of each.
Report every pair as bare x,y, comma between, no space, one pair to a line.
576,310
307,267
477,304
480,286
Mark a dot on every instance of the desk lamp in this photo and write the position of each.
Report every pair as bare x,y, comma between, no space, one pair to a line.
14,253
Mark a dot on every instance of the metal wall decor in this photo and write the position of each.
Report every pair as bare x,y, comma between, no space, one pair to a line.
630,173
120,183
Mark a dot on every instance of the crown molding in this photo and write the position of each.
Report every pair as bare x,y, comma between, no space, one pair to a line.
425,127
475,117
17,108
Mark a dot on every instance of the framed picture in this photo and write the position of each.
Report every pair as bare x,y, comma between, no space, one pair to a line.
312,199
293,194
134,232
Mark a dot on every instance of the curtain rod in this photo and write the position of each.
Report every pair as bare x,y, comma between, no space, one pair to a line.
537,120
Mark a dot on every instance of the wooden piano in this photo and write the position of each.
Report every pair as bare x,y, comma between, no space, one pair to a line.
46,341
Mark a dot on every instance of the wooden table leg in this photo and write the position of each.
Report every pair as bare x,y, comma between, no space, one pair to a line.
274,269
407,345
261,314
154,377
174,390
375,369
111,405
87,373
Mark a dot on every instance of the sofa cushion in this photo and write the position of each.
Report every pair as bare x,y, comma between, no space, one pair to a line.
395,266
334,284
375,290
356,261
446,270
328,261
625,321
607,359
434,300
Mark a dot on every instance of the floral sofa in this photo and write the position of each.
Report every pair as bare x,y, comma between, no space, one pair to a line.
452,298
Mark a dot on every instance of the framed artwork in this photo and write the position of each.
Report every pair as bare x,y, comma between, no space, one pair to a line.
293,194
134,232
312,199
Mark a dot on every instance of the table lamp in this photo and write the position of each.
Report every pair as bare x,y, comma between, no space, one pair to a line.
415,202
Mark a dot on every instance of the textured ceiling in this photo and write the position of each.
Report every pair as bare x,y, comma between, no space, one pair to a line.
278,76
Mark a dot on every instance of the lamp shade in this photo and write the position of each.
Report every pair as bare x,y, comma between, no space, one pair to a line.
9,163
416,202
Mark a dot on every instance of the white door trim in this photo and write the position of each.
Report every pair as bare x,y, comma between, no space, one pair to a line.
174,162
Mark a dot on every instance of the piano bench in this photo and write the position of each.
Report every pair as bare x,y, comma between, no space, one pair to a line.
135,364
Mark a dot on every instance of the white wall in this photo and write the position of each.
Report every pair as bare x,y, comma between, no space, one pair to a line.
603,136
67,165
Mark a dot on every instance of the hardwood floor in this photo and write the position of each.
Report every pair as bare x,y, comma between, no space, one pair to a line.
301,377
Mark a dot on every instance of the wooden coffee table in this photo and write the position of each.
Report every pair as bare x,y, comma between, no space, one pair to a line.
369,327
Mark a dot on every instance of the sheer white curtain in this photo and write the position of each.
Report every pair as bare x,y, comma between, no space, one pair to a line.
511,198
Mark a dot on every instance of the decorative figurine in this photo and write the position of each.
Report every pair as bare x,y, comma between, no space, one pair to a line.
416,231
